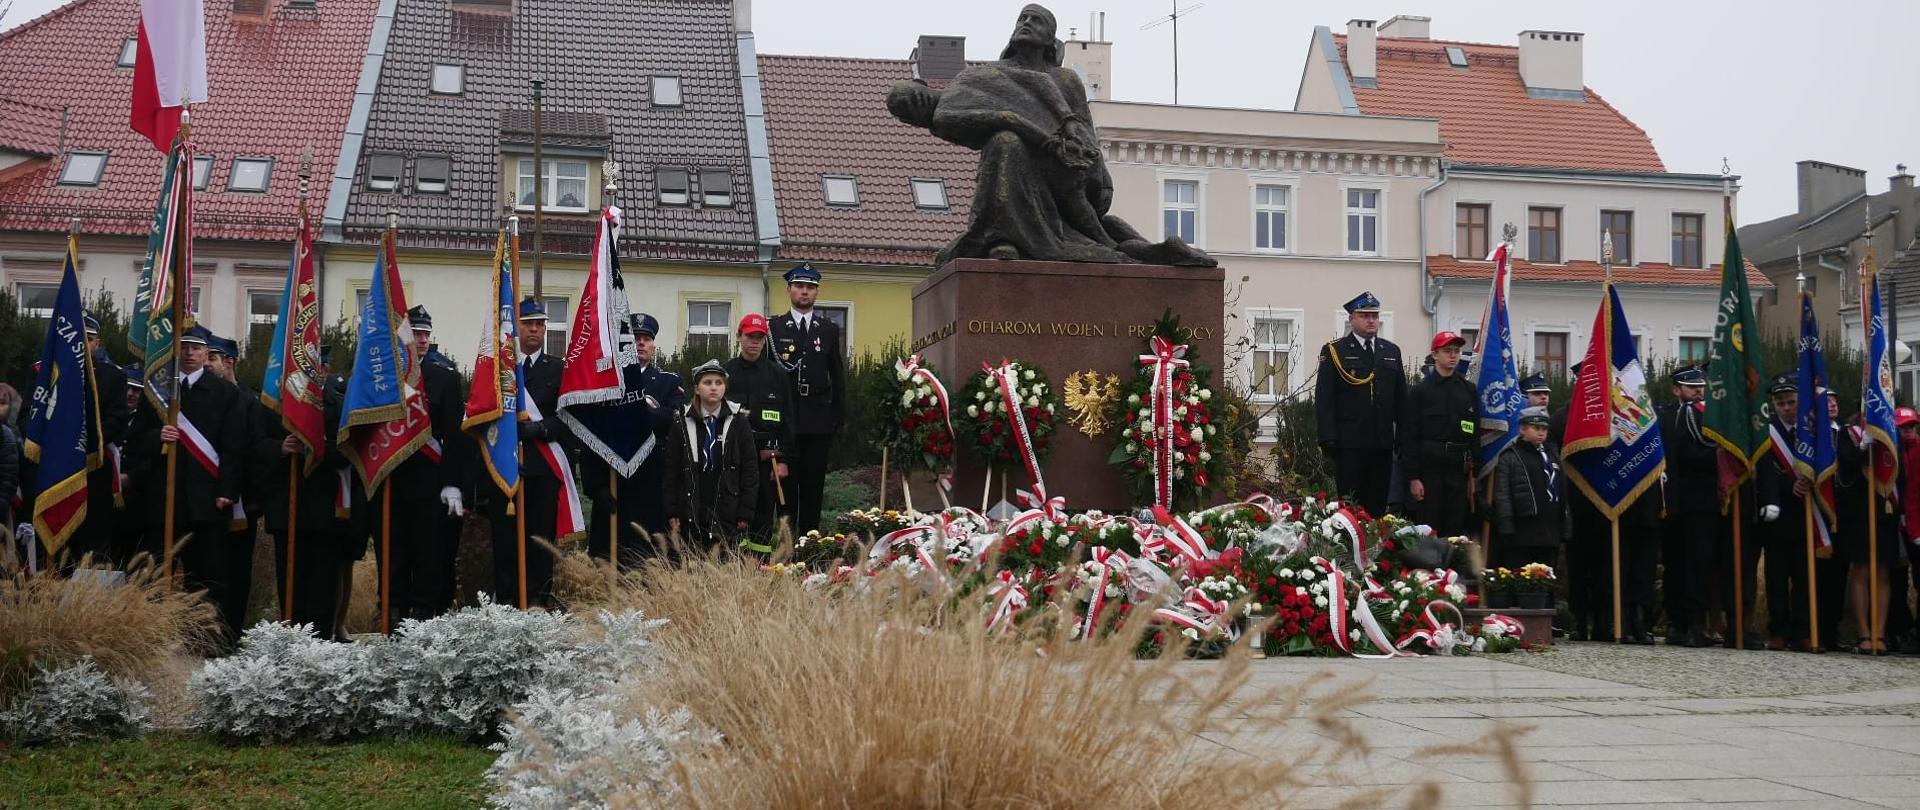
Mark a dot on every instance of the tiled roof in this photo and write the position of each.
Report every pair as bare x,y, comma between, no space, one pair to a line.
1778,239
1487,117
1588,272
277,87
597,60
29,128
828,115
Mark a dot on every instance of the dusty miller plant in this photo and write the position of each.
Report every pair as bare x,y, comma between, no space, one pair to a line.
571,749
76,702
285,684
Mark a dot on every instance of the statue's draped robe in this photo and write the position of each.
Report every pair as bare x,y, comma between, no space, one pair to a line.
1025,197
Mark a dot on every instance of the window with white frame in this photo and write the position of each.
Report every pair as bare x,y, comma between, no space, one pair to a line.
1271,204
1180,209
1272,346
558,314
1694,349
930,195
1550,353
263,312
1363,221
841,189
36,300
709,328
565,181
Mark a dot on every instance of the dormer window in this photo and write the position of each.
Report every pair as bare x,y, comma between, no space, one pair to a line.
83,169
449,80
666,91
565,181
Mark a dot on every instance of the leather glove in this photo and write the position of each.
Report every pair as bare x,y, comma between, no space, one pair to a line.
1769,513
451,497
24,532
534,431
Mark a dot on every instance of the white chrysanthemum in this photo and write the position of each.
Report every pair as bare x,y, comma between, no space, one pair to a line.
1049,409
1206,394
902,373
1210,429
1286,573
1320,600
1133,399
979,395
1205,457
1198,434
1131,447
908,398
1180,412
1353,634
973,410
1027,375
1033,402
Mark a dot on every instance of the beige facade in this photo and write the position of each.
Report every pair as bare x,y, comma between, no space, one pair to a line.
1303,210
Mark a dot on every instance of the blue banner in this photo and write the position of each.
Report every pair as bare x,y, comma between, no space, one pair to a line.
1876,396
493,405
63,435
1814,456
1625,456
1501,399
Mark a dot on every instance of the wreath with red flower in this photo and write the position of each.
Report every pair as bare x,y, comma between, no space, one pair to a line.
916,428
1186,431
987,417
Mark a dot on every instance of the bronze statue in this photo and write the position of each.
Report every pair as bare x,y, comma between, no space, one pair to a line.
1043,190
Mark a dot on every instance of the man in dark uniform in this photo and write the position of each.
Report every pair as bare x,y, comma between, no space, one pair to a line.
640,500
209,442
541,375
816,352
1781,495
1590,557
96,534
127,524
1437,439
427,502
332,513
1692,528
1357,400
760,385
223,355
1539,394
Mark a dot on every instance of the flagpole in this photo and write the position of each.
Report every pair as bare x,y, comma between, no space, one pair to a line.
1739,611
180,317
613,518
386,488
1869,308
293,461
519,455
1606,293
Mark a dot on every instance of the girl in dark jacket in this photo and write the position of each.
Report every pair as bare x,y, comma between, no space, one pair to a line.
1528,498
712,472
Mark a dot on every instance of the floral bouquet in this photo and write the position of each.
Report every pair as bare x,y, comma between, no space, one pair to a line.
1169,447
1534,577
872,523
994,397
819,550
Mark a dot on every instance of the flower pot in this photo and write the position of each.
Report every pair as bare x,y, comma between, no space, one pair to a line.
1499,599
1535,600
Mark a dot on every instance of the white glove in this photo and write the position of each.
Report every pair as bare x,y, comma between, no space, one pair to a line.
1769,513
24,532
451,497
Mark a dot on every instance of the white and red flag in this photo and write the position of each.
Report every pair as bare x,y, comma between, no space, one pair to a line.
169,68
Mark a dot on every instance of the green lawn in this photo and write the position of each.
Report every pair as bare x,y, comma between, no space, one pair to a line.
167,771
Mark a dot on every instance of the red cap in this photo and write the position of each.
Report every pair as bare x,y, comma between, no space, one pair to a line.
1906,416
1445,339
753,322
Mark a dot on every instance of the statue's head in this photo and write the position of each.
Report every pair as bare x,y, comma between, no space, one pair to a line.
1035,29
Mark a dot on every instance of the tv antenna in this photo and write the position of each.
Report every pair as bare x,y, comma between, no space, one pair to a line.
1174,19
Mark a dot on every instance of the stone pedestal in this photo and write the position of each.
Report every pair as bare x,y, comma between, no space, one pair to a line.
1065,318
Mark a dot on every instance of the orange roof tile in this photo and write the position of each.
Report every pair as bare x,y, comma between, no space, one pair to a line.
1589,272
1487,117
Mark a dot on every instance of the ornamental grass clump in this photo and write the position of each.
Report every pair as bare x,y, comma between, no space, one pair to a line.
133,629
894,695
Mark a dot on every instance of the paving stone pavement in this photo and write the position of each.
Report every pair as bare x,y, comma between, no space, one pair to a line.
1603,725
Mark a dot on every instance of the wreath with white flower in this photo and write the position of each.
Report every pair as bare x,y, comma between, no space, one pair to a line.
916,424
1008,426
1170,446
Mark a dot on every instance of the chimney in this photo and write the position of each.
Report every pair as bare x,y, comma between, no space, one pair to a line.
1407,26
1825,185
1094,62
1906,217
1550,64
742,16
938,59
1360,64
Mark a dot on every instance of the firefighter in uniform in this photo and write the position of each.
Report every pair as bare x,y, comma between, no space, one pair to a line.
223,356
427,499
96,534
758,384
1358,399
815,351
1692,528
1539,394
641,501
332,512
1781,494
541,375
1438,438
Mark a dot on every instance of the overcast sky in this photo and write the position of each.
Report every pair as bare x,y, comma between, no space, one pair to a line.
1763,83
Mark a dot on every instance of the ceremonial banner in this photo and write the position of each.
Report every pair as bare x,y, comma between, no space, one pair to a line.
166,272
1496,373
169,67
63,436
1612,447
1734,421
1876,396
601,395
1814,455
493,406
296,389
384,418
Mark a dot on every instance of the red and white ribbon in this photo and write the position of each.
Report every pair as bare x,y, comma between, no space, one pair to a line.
1008,376
569,519
113,461
1200,613
199,446
1109,560
1508,625
1361,613
1345,520
1175,533
343,495
1165,359
432,449
914,371
1440,637
1009,598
